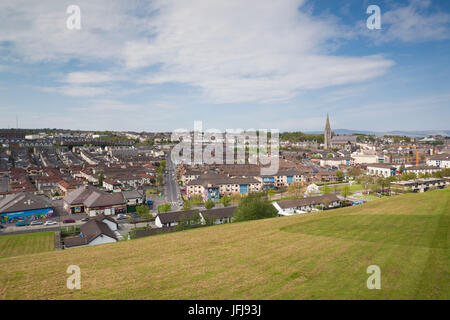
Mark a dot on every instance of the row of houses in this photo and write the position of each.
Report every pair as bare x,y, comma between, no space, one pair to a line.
217,216
213,186
225,215
305,205
94,202
389,170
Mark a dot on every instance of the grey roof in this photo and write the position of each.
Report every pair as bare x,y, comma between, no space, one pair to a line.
79,195
443,156
343,138
294,203
133,194
175,216
422,168
22,202
90,231
220,179
218,213
93,197
99,200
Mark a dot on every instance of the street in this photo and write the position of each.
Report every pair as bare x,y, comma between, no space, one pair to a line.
171,188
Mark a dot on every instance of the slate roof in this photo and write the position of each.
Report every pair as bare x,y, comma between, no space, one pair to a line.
93,197
90,231
219,213
101,200
174,216
441,157
22,201
221,179
294,203
133,194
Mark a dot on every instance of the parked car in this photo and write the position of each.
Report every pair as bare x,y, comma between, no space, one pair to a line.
36,223
135,216
85,219
22,223
50,223
68,221
121,216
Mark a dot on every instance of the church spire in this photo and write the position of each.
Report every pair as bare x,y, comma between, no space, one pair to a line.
327,135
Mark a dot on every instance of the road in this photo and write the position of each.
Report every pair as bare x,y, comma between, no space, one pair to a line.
171,189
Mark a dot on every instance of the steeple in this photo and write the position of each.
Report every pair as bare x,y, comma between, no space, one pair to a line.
327,135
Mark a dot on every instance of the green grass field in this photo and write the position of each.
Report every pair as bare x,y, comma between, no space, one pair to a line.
22,244
353,188
323,255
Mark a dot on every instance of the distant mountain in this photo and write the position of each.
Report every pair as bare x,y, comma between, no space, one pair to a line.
421,133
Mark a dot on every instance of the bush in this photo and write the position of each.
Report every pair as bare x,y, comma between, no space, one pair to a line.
166,207
209,204
254,206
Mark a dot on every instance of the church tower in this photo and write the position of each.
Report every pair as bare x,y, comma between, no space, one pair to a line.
327,135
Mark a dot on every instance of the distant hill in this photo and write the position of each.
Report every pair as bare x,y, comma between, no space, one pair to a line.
323,255
413,134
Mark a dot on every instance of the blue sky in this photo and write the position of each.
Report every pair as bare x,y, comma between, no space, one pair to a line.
160,65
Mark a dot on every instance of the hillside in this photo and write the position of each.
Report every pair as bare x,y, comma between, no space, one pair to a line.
317,256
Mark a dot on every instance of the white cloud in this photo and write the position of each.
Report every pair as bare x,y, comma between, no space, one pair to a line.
90,77
232,50
78,91
239,51
414,22
107,105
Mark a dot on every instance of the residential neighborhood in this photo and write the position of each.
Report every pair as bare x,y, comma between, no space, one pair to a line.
139,187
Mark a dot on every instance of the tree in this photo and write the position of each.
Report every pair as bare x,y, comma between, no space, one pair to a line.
340,175
143,211
326,203
291,189
209,219
187,205
209,204
345,191
100,179
355,172
186,222
225,200
254,206
236,197
271,193
326,190
166,207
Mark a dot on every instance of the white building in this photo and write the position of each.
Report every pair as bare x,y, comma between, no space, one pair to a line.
380,169
100,230
439,160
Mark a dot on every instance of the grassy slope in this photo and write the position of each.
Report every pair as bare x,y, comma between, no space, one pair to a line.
22,244
317,256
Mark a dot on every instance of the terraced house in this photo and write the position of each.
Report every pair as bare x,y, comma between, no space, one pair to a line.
216,186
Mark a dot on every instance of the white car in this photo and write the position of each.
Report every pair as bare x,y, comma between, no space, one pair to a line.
50,223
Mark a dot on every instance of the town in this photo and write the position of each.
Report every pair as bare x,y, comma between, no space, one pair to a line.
101,187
